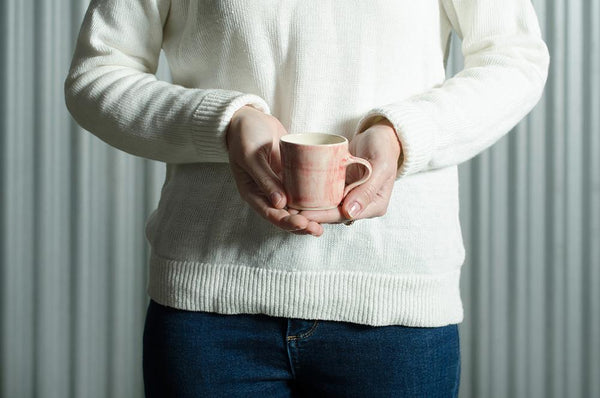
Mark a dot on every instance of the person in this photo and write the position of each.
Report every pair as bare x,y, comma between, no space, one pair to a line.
248,296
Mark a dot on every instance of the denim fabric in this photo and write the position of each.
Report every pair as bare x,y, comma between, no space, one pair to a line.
205,354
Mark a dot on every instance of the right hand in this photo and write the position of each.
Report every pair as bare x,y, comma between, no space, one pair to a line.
253,144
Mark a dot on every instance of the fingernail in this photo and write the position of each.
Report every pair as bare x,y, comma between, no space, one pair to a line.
275,198
354,209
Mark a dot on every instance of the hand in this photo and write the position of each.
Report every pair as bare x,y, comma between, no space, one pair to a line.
253,144
378,144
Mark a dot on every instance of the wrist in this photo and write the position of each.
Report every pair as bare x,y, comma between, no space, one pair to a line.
387,126
241,112
234,122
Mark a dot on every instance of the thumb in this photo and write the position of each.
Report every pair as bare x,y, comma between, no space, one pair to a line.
275,159
358,199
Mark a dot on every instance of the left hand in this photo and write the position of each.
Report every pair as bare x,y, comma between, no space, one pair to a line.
378,144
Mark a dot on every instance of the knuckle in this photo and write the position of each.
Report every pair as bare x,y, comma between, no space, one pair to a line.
267,215
369,193
263,154
264,182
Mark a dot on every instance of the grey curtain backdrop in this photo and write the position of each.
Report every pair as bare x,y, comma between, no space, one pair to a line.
73,252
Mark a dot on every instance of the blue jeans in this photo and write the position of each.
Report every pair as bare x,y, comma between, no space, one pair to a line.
206,354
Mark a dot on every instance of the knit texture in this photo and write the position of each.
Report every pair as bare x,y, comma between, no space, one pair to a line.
327,66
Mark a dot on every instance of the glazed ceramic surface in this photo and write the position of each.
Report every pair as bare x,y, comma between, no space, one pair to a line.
314,170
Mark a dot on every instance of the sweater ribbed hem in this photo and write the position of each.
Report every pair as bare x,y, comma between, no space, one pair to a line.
420,300
211,120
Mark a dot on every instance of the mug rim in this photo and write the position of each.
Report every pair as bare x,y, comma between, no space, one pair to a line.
289,138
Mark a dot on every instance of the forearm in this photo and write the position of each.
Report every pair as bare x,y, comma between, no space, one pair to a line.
506,66
111,89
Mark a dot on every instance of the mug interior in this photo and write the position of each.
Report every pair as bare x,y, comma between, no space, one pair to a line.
313,139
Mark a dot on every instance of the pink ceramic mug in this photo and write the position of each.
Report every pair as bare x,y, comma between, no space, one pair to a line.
314,170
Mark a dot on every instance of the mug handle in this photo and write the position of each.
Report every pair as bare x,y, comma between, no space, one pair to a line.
362,162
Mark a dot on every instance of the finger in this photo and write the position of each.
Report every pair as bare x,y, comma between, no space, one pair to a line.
254,196
280,217
360,197
314,228
368,200
337,216
325,216
263,175
293,222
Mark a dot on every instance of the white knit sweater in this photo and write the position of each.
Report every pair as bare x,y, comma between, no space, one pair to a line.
328,66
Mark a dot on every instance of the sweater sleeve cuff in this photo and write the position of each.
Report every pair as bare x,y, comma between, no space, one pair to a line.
211,119
416,132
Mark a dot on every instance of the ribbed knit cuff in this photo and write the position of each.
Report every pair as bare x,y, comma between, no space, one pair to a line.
211,120
415,129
